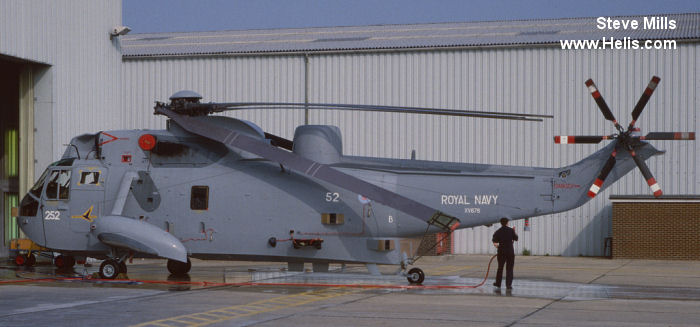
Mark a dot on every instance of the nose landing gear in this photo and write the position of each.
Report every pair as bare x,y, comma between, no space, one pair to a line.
114,265
109,269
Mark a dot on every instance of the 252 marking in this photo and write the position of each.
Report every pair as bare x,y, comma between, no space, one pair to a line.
52,215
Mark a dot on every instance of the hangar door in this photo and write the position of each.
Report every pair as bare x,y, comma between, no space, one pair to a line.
16,135
9,134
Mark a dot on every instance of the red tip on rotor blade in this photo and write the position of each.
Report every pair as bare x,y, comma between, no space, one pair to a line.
684,136
595,188
572,139
652,85
654,187
592,88
564,139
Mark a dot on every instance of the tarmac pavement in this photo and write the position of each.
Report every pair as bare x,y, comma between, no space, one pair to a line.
548,290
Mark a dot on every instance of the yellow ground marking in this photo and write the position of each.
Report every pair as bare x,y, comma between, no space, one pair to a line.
250,309
446,270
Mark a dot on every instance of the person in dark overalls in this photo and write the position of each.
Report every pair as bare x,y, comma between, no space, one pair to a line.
503,239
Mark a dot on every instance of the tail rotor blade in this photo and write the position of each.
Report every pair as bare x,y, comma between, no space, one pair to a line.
644,99
655,188
587,139
595,187
669,136
601,103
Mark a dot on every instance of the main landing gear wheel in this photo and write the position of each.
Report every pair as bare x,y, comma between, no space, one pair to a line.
179,268
109,269
415,276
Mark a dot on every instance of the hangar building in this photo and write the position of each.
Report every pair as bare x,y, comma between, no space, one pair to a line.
67,76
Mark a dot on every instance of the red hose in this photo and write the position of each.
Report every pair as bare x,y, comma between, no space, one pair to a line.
215,284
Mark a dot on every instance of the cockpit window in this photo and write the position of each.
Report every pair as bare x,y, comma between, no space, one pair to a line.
58,186
36,189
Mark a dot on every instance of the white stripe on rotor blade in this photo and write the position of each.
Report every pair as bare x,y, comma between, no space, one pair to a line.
655,187
594,188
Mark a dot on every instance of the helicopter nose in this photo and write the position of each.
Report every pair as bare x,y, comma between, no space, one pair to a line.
32,226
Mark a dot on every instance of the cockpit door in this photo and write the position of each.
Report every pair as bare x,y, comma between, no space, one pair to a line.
54,208
87,201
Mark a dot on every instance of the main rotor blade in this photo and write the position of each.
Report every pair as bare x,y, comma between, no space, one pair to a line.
280,141
219,107
598,183
588,139
601,103
643,100
648,177
669,136
233,139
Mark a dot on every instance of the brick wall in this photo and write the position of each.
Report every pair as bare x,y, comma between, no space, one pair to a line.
656,229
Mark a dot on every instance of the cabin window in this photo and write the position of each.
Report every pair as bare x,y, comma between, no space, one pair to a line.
89,178
58,186
200,198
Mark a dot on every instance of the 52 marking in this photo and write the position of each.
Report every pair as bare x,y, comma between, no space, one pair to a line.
332,197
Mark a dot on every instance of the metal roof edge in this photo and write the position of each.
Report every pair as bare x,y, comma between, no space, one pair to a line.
413,24
364,50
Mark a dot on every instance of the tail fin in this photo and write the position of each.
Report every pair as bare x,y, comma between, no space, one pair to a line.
572,183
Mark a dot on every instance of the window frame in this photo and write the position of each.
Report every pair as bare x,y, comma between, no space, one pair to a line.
84,173
59,196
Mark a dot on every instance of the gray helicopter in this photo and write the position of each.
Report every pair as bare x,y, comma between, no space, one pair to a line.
215,187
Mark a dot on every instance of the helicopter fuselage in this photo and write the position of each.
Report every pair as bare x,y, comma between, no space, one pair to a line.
223,204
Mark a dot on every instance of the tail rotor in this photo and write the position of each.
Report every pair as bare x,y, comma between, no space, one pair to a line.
628,139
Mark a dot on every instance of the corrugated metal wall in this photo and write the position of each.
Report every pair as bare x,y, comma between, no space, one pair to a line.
542,80
78,67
